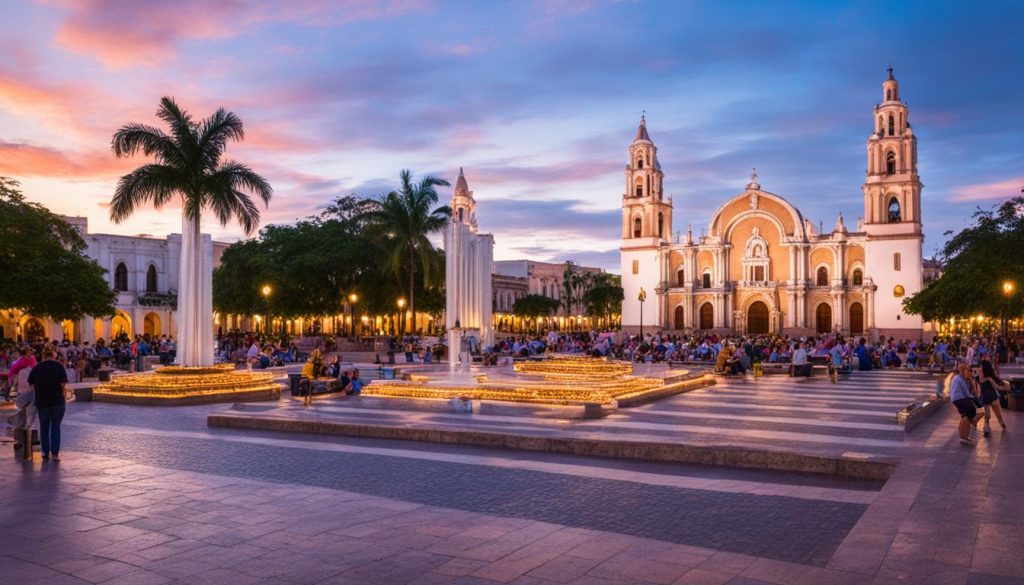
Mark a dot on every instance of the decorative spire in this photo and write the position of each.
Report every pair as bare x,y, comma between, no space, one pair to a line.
641,132
890,71
689,233
840,226
461,186
753,185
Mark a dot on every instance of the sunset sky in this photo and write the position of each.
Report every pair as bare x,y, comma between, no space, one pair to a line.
537,100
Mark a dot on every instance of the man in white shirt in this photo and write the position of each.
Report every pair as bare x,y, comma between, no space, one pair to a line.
254,352
801,367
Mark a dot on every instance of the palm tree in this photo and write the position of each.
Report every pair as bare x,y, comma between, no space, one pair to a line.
189,166
404,220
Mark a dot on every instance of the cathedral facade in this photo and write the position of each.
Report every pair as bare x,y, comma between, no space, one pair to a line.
762,268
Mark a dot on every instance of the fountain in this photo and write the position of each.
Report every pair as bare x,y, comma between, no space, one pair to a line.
179,386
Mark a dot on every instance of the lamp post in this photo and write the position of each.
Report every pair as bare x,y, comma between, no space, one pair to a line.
1007,293
642,297
352,298
399,325
266,290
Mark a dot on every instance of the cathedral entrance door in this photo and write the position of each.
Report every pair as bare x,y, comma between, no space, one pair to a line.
823,317
679,318
856,319
707,317
757,318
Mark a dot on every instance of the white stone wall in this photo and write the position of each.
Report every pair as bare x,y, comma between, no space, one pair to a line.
878,259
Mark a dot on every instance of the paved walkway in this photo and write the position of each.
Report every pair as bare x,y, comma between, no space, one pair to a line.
149,495
805,415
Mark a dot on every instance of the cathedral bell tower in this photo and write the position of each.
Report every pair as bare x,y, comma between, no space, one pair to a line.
892,214
646,227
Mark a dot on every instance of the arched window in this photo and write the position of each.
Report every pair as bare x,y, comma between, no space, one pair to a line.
894,211
637,224
661,225
680,277
858,277
705,280
679,322
881,125
822,278
545,290
888,95
461,215
640,163
151,279
896,261
892,126
890,163
901,122
121,277
639,187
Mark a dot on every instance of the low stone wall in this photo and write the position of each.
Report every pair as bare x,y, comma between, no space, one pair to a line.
864,467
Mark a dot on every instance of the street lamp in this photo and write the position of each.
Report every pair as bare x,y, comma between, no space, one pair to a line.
400,326
266,290
642,297
1007,293
352,298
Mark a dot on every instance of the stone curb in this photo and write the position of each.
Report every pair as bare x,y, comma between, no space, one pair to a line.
861,467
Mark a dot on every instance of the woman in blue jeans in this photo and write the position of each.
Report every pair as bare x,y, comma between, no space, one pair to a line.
47,380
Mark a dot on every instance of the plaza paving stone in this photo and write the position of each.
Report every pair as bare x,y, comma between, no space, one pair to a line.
153,496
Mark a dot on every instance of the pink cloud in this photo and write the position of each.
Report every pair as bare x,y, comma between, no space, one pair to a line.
996,191
127,33
27,160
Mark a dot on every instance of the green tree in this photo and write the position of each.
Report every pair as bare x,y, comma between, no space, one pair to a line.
42,258
402,222
533,306
976,263
189,165
604,296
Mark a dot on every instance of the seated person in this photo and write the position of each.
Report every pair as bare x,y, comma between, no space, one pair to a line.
357,384
801,364
912,359
723,360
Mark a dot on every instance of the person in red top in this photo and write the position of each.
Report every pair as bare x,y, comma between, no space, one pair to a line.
26,362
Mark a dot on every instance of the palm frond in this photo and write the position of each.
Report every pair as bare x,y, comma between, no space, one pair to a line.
155,184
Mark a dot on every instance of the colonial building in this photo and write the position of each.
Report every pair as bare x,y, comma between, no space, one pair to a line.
143,271
762,267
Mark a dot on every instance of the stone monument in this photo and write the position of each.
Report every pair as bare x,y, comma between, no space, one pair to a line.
468,264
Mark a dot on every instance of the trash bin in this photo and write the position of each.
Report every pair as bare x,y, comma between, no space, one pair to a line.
293,383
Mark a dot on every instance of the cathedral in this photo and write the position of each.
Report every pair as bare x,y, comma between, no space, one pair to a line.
762,268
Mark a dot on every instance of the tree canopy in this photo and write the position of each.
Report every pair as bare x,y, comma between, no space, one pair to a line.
532,306
42,257
313,266
188,165
401,223
603,297
977,261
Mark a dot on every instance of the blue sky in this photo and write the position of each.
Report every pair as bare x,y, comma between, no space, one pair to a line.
537,100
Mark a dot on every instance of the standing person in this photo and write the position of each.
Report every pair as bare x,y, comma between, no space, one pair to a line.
47,380
962,397
990,395
801,366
